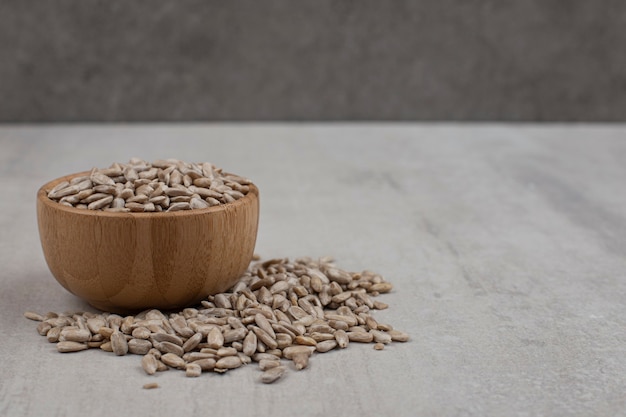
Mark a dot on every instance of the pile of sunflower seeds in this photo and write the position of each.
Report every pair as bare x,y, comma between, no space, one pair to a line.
140,186
280,312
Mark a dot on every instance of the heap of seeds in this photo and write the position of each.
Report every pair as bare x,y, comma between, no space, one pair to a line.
279,310
140,186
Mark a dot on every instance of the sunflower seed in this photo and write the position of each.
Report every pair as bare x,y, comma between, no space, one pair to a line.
342,339
382,287
141,333
349,320
250,344
139,346
215,339
69,190
360,336
105,189
265,364
166,337
57,188
226,351
101,179
169,347
326,345
53,334
179,206
69,346
95,323
173,360
149,364
257,357
290,351
43,328
234,335
228,362
264,324
305,340
33,316
192,342
193,370
161,367
264,337
300,360
273,374
381,337
339,276
75,335
118,343
222,301
398,336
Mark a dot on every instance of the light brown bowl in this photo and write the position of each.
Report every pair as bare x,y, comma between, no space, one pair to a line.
123,262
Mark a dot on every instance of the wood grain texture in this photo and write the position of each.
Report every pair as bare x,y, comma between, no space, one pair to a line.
132,261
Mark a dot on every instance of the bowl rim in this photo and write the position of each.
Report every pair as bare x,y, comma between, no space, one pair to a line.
42,197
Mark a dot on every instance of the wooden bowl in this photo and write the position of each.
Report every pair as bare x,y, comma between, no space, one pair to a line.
125,262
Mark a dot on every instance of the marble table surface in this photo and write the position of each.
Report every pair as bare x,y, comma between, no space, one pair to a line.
506,245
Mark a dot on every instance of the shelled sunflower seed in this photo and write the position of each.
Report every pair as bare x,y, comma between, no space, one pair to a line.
140,186
278,311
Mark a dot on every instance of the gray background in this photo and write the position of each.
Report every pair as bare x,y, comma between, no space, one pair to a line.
532,60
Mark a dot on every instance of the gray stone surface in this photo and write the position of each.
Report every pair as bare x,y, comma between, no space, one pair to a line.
156,60
506,245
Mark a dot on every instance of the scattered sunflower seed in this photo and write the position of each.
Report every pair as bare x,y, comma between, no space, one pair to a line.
279,310
68,346
273,374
